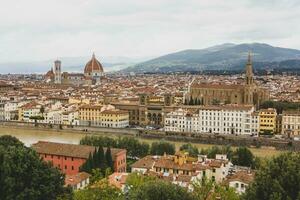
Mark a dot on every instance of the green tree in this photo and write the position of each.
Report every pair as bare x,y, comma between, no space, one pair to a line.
135,180
102,191
101,159
278,179
211,152
191,102
96,175
88,165
243,157
161,147
108,159
192,150
23,175
158,190
7,140
133,146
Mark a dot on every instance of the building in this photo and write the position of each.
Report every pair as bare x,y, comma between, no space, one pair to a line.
246,93
267,121
29,110
77,181
240,181
69,157
57,72
103,116
181,164
222,119
92,74
118,180
291,123
148,109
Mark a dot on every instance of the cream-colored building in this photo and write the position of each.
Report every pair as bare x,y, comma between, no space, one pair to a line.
103,116
222,119
291,123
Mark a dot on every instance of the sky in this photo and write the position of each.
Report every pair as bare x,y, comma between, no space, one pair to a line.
34,30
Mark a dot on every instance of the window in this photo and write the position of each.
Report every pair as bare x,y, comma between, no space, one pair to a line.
65,158
236,185
72,167
66,167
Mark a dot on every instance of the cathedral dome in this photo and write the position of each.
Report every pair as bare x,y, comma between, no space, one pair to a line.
93,66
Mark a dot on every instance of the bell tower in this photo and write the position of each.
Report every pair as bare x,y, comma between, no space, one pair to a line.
249,86
249,71
57,72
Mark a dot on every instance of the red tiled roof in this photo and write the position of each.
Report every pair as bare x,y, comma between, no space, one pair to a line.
69,150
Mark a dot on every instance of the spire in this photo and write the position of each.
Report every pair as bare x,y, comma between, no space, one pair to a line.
249,70
93,56
249,57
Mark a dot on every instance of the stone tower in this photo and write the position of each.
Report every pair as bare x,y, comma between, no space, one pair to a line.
57,72
249,82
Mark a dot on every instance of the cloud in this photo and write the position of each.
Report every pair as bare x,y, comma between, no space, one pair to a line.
37,30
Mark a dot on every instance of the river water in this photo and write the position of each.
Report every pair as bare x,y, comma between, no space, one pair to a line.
30,136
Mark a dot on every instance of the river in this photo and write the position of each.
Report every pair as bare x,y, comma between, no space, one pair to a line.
31,136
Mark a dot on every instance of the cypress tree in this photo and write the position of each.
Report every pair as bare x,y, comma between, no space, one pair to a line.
86,167
108,159
191,101
101,158
95,162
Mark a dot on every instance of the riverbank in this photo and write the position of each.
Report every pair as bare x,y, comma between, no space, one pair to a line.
30,135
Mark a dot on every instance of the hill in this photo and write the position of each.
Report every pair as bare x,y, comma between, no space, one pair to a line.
221,57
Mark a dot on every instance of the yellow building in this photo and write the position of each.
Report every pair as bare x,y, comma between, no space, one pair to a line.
267,120
103,116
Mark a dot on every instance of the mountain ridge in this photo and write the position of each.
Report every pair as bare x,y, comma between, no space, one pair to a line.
226,56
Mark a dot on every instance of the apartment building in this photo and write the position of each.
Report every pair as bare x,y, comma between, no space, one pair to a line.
267,121
103,116
291,123
226,119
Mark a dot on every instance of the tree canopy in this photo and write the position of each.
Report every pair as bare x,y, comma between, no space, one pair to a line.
23,175
161,147
279,179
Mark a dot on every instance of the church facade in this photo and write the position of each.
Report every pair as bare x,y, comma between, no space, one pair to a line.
246,93
93,72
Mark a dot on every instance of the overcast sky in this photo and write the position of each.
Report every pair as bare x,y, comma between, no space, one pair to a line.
45,29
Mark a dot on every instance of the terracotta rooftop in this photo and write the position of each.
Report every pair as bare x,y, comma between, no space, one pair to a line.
69,150
76,178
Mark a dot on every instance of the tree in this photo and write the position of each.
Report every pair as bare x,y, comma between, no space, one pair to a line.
191,102
209,190
278,179
135,180
192,150
88,165
161,147
101,159
100,191
108,159
157,190
243,157
96,175
211,152
23,175
7,140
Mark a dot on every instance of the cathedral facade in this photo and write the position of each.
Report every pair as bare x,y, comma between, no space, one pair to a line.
246,93
93,72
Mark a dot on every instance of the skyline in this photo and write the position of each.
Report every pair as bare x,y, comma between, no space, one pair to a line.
45,30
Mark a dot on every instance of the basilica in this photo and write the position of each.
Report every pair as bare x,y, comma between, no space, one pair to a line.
92,75
210,93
